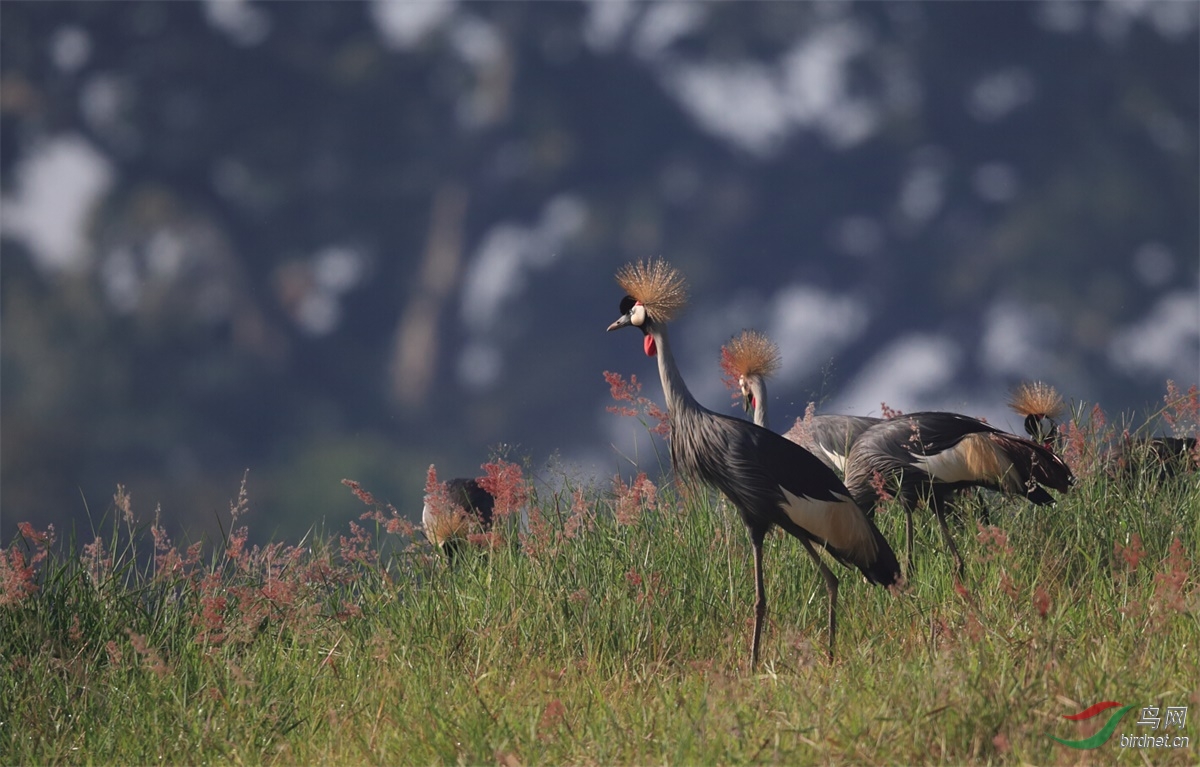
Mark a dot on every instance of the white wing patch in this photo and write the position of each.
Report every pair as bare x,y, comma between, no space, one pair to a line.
946,466
973,459
837,459
839,523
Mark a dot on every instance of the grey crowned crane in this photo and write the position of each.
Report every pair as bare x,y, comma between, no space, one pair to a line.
447,519
934,453
749,359
770,480
1041,405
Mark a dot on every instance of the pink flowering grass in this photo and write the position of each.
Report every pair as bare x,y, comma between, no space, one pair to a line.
506,482
607,623
646,411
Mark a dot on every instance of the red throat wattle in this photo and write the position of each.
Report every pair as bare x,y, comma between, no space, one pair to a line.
648,343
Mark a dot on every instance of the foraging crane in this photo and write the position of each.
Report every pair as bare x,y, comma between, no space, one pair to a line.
447,520
770,480
750,359
934,453
1041,405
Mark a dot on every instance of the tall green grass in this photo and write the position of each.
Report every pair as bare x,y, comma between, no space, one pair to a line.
610,631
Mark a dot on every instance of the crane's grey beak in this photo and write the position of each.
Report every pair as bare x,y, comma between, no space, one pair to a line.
620,323
747,403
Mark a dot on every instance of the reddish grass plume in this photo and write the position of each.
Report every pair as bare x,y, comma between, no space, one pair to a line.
642,408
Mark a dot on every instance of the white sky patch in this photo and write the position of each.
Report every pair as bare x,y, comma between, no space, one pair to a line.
497,272
814,84
70,47
1062,16
1016,339
907,375
859,236
1165,343
607,22
318,313
757,106
339,268
997,94
810,326
244,24
664,23
480,365
496,275
404,23
738,101
58,184
996,182
477,42
1154,264
122,284
922,193
1172,20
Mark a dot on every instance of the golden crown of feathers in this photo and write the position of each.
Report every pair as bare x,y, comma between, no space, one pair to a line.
1036,398
656,285
750,354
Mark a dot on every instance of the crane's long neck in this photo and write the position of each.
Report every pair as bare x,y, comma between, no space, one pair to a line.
679,399
758,390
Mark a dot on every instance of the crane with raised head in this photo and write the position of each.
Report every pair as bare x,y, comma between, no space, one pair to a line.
748,360
771,481
931,454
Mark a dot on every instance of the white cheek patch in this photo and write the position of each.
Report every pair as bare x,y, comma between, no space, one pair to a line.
637,315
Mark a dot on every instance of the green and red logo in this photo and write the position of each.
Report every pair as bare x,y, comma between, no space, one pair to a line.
1101,737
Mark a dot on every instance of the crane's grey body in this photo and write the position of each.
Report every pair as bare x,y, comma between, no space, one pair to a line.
770,481
830,437
935,453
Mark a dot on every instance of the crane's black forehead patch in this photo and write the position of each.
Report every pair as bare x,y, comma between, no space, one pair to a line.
627,304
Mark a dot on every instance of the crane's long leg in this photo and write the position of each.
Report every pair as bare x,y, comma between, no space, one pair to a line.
935,500
760,601
908,501
908,539
831,585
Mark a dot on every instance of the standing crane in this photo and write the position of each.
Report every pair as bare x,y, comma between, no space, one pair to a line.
751,358
932,454
447,520
770,480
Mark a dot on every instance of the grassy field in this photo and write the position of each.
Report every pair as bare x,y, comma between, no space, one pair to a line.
614,630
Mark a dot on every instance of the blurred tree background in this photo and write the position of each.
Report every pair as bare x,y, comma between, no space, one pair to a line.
323,240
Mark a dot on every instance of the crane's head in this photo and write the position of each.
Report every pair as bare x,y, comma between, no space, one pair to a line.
749,359
1041,405
656,292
